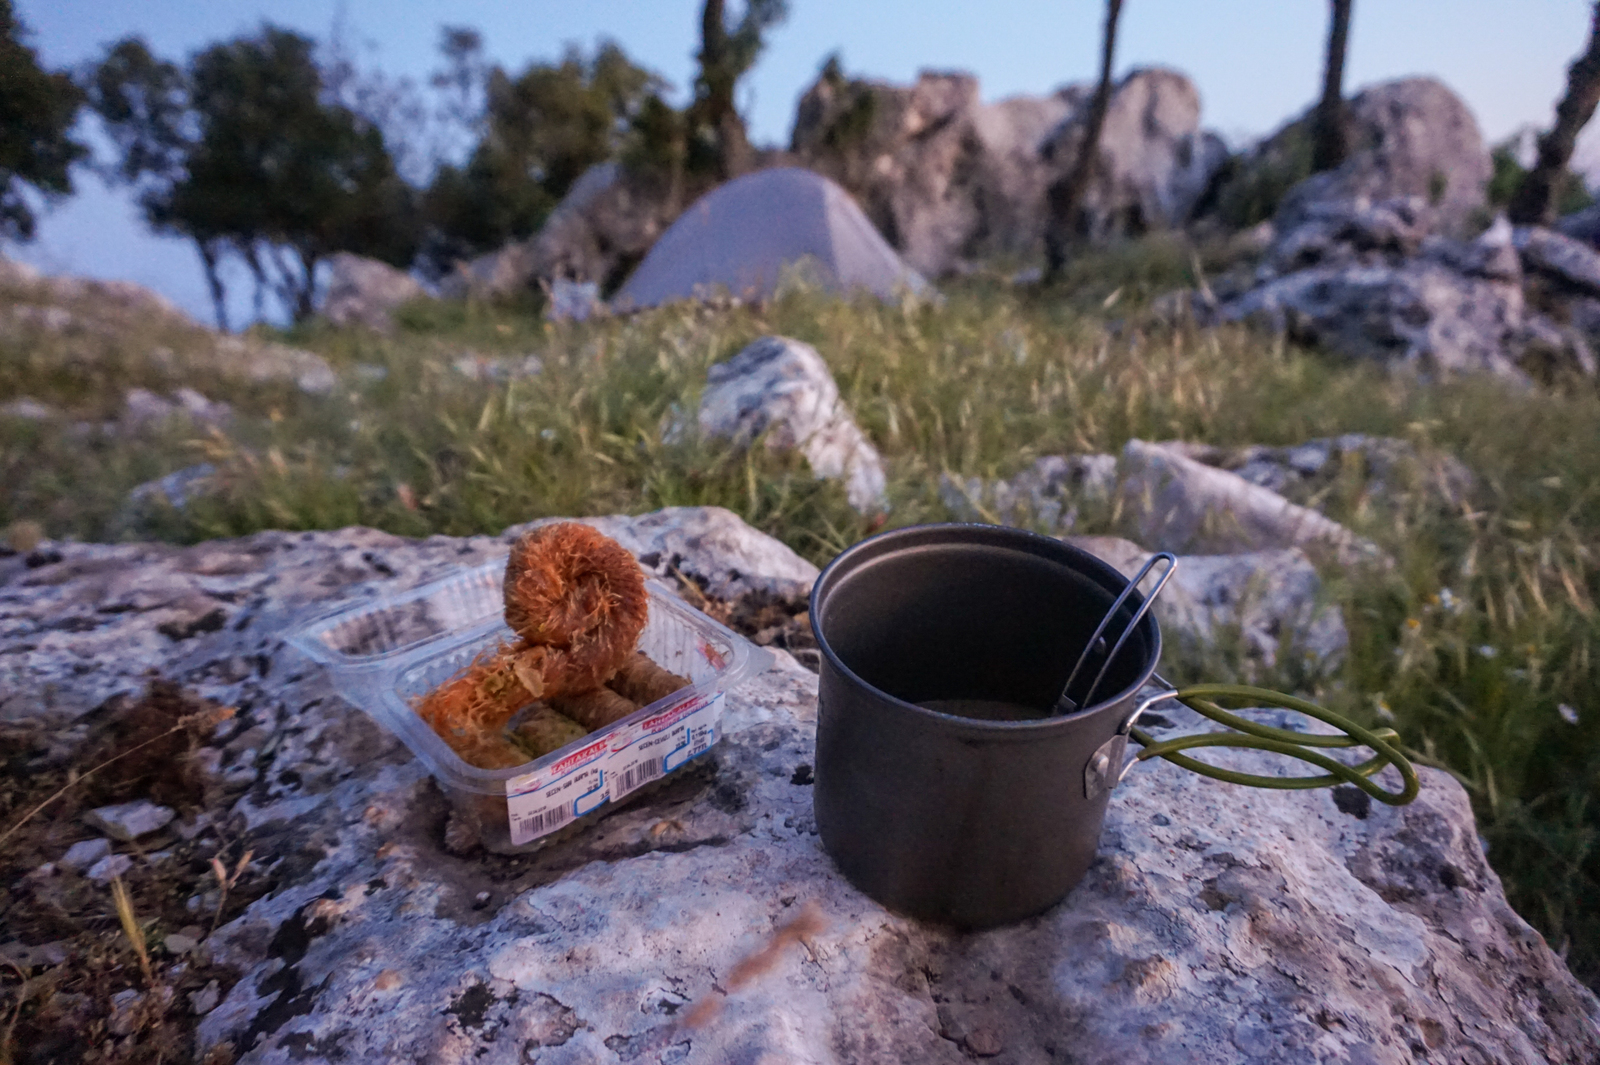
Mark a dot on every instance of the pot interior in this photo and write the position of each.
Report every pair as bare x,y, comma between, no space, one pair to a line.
979,629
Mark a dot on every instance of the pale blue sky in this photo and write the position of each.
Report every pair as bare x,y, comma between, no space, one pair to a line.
1256,63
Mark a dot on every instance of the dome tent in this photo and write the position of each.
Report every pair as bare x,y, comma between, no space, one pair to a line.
741,235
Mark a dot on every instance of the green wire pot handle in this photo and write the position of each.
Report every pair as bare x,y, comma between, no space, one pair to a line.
1203,700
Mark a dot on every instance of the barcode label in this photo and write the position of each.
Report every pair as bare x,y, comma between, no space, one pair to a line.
541,802
635,776
654,747
547,821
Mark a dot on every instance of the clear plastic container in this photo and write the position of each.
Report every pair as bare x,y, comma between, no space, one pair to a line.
386,654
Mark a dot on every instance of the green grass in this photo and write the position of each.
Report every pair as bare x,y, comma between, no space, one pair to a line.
1483,630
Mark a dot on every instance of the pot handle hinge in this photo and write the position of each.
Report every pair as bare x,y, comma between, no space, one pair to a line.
1106,768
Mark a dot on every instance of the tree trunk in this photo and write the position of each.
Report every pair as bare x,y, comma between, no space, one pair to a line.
1065,193
718,79
306,298
219,294
1330,138
1535,200
253,260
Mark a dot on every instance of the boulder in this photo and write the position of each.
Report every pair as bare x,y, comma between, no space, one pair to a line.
1411,137
597,233
364,291
910,156
947,178
263,361
142,407
780,391
705,921
1301,473
1154,161
1046,494
1559,256
109,299
1255,601
26,408
1582,225
1180,505
1344,232
1422,314
573,301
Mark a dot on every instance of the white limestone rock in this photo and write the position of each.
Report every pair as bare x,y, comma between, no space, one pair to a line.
364,291
84,853
129,820
109,868
1267,600
1047,494
779,390
1216,924
1184,506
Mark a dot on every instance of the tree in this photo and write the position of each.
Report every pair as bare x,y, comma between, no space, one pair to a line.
1330,135
1535,200
541,130
241,153
37,110
1063,196
725,57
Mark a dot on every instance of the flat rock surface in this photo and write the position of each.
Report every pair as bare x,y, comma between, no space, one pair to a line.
705,923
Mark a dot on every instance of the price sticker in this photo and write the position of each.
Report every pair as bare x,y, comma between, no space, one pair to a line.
543,801
656,746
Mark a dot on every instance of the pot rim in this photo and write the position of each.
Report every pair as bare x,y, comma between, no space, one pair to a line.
1001,533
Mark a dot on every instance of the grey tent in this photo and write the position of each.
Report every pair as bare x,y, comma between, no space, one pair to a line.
741,235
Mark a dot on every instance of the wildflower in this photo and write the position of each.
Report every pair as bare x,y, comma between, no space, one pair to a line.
1447,599
1381,705
1487,650
1413,624
1568,714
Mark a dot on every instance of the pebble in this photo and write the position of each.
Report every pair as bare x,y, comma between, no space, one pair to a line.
85,853
124,1004
110,866
178,943
130,820
205,1000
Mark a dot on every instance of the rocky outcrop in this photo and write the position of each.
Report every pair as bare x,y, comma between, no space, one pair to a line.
780,391
1377,281
596,234
1154,161
1409,138
705,922
365,291
947,178
109,298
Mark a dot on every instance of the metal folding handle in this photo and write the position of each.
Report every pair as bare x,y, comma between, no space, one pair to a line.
1065,704
1243,733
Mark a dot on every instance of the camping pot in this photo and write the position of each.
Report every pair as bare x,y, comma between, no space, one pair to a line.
955,781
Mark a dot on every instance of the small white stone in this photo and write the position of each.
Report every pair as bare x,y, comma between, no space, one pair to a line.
178,943
85,853
130,820
205,1000
112,865
124,1004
